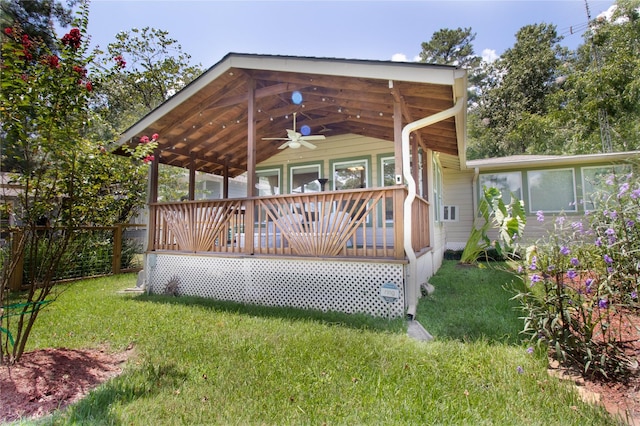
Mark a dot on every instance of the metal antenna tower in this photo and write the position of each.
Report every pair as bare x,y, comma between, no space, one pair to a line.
603,118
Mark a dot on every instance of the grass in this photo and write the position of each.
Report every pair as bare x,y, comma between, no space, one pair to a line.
472,303
206,362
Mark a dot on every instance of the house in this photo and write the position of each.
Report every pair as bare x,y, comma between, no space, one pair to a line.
551,184
330,175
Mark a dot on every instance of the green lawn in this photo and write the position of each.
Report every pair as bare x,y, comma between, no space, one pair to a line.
202,362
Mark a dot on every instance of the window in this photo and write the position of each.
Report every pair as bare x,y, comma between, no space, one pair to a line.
268,182
507,183
350,174
594,179
552,190
449,213
388,171
305,179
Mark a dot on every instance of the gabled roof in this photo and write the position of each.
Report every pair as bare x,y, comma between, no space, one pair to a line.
208,120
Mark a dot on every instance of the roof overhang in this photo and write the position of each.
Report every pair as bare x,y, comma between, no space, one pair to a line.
531,161
205,125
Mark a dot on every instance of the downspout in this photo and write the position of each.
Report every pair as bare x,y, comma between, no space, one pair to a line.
474,193
412,280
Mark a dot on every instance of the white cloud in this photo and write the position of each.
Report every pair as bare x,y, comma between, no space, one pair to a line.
489,55
608,13
399,57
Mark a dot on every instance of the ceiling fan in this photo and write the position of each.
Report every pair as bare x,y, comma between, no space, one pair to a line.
296,139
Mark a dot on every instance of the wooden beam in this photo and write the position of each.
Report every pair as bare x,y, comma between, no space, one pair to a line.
225,181
153,177
406,113
397,136
192,177
251,138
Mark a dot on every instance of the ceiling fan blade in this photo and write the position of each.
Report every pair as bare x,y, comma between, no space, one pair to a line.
313,137
307,144
296,139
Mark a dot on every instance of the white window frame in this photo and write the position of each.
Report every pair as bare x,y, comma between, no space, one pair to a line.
292,170
266,173
506,192
450,213
570,207
617,169
358,162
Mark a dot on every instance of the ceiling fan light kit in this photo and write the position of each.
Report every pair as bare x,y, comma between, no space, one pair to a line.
296,139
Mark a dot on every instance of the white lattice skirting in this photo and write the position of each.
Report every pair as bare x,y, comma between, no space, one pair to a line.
344,286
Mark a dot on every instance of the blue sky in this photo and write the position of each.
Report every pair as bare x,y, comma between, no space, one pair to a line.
378,30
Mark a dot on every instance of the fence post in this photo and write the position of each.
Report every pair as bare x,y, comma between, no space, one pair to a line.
117,249
15,280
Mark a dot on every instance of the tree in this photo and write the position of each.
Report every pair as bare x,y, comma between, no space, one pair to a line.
451,47
604,78
514,99
37,17
454,47
153,68
45,113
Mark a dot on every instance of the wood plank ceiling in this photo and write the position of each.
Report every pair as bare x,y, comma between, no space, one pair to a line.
210,127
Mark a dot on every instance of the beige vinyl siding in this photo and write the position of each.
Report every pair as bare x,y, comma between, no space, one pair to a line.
458,191
330,150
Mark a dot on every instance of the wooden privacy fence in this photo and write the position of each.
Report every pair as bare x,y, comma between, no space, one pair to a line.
94,251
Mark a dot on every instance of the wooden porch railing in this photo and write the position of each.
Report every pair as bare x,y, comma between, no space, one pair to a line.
364,223
420,229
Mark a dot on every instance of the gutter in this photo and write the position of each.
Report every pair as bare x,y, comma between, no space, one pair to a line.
411,289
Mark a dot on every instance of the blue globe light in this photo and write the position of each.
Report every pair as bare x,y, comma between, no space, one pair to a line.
305,130
296,97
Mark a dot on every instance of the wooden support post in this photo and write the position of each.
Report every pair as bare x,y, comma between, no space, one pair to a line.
153,178
15,280
225,179
398,224
251,167
397,136
192,177
152,198
415,165
117,249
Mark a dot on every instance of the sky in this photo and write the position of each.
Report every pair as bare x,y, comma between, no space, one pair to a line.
375,30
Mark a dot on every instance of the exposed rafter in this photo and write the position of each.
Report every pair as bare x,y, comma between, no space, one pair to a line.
208,126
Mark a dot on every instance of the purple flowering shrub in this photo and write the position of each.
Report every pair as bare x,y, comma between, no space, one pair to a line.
582,284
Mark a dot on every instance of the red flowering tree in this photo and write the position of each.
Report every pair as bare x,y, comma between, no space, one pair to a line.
47,153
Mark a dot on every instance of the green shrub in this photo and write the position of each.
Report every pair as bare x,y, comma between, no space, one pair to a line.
509,220
583,282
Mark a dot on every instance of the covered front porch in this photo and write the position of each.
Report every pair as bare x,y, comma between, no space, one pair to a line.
377,132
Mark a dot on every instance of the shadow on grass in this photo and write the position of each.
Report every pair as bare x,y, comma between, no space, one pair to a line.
95,409
472,303
355,321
